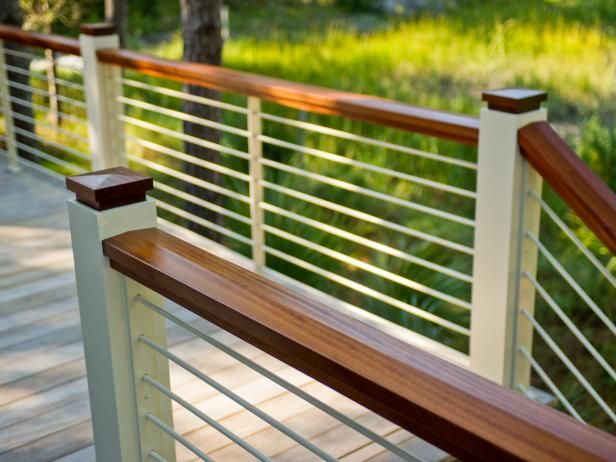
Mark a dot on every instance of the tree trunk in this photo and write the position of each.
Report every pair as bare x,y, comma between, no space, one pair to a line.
116,12
11,14
201,30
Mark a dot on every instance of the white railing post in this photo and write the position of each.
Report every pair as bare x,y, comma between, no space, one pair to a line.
102,88
503,217
7,112
108,203
255,149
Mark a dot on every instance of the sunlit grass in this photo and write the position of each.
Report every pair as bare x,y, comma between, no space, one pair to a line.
443,61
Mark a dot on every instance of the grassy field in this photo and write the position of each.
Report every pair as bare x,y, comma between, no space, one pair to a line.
441,59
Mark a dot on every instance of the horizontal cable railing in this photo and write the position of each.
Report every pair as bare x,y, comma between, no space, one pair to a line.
185,404
182,95
293,149
295,330
567,362
368,167
183,137
40,77
239,400
370,219
577,289
368,192
367,242
48,107
182,116
573,310
283,176
575,240
281,382
373,203
366,140
79,121
574,316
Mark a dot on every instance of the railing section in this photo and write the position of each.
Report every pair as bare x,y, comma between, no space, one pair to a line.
381,210
44,108
122,273
351,221
572,321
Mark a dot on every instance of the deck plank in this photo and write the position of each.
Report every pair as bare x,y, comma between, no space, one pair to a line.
44,408
61,443
42,379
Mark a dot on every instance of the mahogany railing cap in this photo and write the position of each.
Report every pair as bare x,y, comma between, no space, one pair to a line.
514,100
573,180
35,39
106,189
446,125
97,29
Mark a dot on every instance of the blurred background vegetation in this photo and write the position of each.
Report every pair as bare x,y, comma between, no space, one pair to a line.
439,54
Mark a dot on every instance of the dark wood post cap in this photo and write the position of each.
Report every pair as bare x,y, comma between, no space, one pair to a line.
107,189
514,100
97,29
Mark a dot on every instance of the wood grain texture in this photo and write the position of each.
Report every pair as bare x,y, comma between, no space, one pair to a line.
113,187
461,412
450,126
34,39
587,195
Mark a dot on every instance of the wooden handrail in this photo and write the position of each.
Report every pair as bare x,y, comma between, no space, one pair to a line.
469,416
587,195
34,39
446,125
573,180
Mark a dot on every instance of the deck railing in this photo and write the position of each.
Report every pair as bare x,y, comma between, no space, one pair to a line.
431,226
125,266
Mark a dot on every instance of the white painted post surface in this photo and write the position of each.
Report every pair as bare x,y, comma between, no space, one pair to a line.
146,361
102,89
7,112
255,149
504,215
111,322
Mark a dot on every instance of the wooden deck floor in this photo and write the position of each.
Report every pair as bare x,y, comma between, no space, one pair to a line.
44,409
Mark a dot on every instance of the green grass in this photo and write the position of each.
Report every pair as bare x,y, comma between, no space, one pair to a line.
441,61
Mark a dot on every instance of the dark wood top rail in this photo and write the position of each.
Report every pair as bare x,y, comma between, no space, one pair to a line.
451,126
34,39
587,195
470,417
